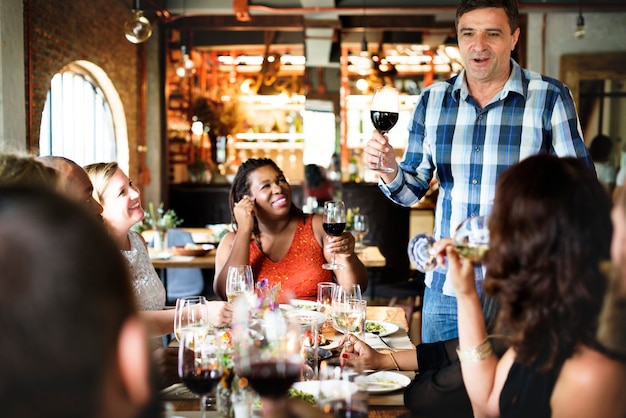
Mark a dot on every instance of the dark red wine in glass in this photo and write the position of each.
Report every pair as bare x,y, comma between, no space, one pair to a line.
383,121
334,229
334,223
272,379
202,381
384,112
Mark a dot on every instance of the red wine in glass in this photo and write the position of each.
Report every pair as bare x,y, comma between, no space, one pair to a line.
384,112
383,121
334,223
202,381
334,229
272,379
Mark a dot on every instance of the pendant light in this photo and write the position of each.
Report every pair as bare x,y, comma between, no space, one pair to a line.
580,31
137,29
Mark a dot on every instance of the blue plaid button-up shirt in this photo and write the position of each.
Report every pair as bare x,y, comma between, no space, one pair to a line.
467,147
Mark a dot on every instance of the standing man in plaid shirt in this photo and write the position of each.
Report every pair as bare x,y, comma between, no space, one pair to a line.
467,130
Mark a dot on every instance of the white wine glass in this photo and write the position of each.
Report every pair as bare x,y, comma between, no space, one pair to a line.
360,226
240,282
334,224
384,112
348,310
471,240
191,315
200,364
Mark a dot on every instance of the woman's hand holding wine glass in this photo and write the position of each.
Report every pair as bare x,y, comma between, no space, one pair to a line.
384,112
471,241
334,223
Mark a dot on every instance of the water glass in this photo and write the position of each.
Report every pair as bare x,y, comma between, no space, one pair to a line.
342,389
325,296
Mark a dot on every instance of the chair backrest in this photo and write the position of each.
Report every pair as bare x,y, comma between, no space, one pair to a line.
182,281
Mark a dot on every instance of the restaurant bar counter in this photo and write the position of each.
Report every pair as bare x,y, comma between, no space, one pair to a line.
202,204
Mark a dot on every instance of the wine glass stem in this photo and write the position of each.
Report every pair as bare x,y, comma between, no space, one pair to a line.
203,401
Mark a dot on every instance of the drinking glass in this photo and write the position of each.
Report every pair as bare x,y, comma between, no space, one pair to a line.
471,240
360,225
200,364
191,315
269,356
240,282
384,113
343,389
325,296
347,310
334,223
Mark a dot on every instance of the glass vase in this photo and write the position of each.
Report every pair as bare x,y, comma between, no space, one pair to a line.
160,240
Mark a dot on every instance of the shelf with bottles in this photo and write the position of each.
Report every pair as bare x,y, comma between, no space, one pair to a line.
269,141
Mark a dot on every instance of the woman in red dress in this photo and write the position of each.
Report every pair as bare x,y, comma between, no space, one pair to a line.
282,244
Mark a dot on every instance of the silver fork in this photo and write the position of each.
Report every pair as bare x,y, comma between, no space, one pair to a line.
377,333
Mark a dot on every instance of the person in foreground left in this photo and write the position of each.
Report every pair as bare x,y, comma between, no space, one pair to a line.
75,344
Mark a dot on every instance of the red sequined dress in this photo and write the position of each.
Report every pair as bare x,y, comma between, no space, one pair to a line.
300,270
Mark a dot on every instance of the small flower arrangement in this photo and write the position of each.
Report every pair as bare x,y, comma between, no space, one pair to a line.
159,221
267,297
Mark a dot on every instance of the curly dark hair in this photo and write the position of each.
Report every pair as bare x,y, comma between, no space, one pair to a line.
241,187
550,229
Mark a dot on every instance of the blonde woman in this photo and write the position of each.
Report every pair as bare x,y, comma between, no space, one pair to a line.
121,209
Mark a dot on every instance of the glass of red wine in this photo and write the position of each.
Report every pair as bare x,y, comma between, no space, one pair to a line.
200,364
268,355
384,114
334,223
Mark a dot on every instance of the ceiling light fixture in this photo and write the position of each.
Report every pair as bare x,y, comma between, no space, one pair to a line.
364,51
580,31
137,29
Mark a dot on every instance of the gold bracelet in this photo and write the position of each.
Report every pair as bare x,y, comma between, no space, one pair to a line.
395,363
479,353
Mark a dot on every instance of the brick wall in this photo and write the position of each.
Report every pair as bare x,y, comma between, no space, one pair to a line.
63,31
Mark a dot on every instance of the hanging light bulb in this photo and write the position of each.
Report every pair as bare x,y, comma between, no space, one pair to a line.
186,66
580,31
138,28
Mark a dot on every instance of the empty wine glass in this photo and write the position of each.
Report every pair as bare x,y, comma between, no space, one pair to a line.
471,240
325,292
384,112
240,282
360,225
334,223
200,364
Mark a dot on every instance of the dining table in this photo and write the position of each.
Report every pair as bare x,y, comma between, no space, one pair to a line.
384,405
370,256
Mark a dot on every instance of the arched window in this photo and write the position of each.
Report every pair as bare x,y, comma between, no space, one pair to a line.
80,121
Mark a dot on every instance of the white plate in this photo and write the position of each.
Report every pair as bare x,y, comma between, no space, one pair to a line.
383,382
304,313
331,388
307,305
163,255
388,327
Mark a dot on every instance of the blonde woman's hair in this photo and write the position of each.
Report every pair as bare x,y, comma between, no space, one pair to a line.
100,175
25,170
